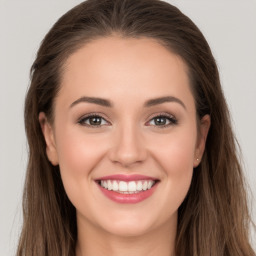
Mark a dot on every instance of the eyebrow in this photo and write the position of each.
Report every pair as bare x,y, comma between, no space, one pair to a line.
107,103
93,100
161,100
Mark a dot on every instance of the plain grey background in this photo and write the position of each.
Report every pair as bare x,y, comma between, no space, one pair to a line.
228,25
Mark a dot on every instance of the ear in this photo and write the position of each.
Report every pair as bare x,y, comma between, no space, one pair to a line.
203,130
49,139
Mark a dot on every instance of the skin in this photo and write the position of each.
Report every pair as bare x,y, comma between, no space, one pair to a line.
127,72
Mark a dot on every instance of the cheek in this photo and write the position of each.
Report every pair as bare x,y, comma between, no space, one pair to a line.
176,157
176,151
78,155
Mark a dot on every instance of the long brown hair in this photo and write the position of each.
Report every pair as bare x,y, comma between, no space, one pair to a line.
213,219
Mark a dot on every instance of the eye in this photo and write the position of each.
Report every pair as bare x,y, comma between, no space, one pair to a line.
93,121
162,121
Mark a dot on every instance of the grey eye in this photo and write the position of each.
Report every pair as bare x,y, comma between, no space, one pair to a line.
162,121
93,121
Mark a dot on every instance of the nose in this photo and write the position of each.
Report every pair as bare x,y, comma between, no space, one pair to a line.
128,147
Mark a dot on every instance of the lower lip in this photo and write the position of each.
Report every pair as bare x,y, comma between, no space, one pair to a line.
128,198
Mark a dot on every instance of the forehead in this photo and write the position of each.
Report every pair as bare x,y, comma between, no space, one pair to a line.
115,66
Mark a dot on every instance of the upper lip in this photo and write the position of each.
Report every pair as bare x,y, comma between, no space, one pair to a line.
125,177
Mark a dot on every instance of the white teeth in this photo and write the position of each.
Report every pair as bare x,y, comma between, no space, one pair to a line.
139,186
109,185
132,186
145,185
124,187
150,183
115,185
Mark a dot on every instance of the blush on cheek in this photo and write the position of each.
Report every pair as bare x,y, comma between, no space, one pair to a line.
177,157
78,157
79,154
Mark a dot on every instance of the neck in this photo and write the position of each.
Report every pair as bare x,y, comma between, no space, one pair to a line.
93,240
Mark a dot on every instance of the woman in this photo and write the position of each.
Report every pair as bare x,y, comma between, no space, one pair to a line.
131,148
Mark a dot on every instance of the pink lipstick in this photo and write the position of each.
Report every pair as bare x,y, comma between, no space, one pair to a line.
127,189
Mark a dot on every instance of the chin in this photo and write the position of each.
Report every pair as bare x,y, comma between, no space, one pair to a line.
128,229
128,223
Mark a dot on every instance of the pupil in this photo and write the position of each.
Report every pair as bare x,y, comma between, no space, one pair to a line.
160,121
95,120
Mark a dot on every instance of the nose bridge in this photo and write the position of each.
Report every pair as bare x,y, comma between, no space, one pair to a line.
128,146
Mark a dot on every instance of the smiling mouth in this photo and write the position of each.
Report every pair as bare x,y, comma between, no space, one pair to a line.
129,187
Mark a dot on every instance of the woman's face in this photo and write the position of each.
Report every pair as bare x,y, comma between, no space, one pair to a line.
125,135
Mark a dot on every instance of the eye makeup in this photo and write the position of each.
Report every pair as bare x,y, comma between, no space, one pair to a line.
162,120
93,120
97,120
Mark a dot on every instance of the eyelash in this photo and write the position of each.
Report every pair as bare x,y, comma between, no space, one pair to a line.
87,118
170,118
